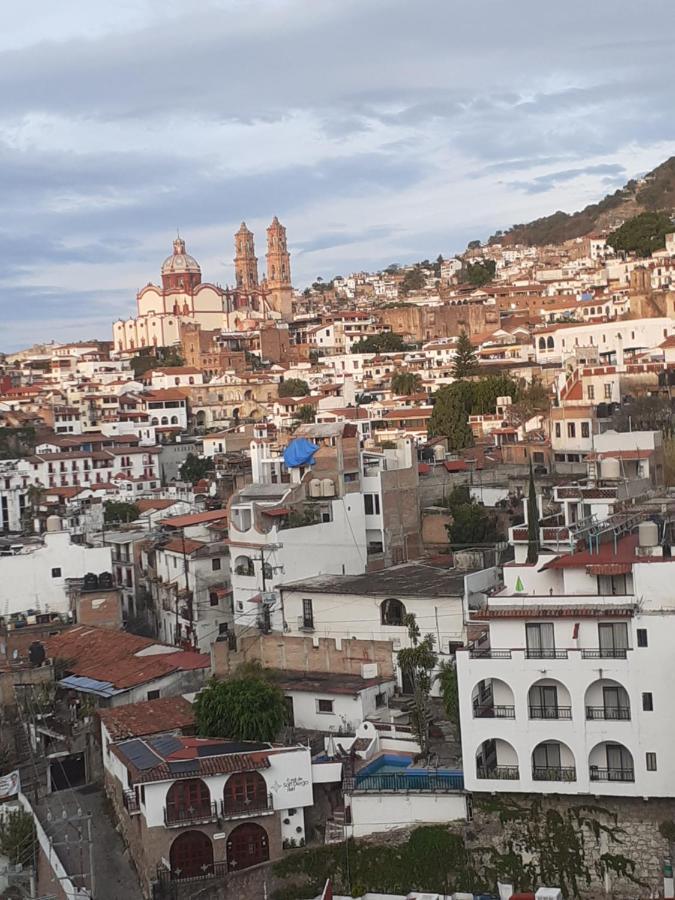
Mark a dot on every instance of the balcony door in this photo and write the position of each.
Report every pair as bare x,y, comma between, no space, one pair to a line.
540,640
613,637
619,760
614,703
546,759
544,701
245,791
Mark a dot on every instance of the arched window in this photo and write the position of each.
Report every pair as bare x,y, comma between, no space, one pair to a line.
174,420
176,380
243,565
392,612
191,379
191,855
247,846
188,800
154,420
542,343
549,343
165,420
245,791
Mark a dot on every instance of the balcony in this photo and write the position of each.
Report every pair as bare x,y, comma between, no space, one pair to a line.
494,712
550,712
166,876
554,773
499,773
605,653
410,781
239,809
597,774
199,815
608,713
545,653
489,653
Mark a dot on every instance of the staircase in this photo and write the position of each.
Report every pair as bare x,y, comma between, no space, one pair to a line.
335,827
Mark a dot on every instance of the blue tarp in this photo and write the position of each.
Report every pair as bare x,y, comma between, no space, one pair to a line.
299,452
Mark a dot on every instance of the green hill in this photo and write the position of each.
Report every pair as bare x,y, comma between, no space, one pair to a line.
654,192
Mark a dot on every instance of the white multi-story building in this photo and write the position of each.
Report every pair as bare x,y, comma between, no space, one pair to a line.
569,690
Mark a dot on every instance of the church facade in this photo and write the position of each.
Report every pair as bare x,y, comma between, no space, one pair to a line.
184,299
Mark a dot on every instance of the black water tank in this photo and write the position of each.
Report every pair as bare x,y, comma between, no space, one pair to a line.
90,582
36,653
105,581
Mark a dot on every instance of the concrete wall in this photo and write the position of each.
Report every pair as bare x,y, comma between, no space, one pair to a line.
372,813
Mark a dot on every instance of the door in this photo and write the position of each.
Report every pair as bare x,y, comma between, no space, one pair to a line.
247,846
290,714
245,792
546,760
191,855
611,702
619,763
540,640
613,637
544,702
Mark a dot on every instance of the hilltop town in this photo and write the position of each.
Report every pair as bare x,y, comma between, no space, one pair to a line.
350,588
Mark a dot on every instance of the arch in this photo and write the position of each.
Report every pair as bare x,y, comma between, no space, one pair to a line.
176,380
553,761
165,420
243,565
607,700
542,343
154,420
550,343
191,379
248,395
392,612
492,698
191,855
245,792
174,420
187,800
549,699
200,418
247,845
497,759
611,761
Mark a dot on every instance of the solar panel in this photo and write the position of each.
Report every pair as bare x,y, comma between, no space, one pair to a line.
183,766
230,747
138,753
165,744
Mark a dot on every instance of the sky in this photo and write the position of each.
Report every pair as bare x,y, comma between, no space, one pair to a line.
378,131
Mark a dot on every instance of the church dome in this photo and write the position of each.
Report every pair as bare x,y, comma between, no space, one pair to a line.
180,261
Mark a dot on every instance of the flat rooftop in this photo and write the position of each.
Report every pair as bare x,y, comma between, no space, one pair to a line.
327,682
408,580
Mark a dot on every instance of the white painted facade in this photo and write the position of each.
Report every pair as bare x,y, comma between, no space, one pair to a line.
348,710
378,812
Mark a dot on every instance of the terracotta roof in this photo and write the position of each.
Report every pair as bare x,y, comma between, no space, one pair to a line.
112,656
213,515
621,454
149,717
553,612
147,505
186,545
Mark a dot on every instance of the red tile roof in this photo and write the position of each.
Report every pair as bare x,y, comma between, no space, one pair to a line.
149,717
213,515
553,612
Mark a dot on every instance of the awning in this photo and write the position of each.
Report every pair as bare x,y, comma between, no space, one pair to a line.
610,569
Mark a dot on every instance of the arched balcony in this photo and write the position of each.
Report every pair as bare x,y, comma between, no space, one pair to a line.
247,845
497,759
492,698
611,761
549,699
553,761
608,701
191,855
246,794
243,565
189,802
392,612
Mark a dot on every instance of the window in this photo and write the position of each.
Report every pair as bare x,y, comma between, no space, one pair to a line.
153,695
540,640
648,702
372,504
324,706
215,564
591,392
56,572
571,430
380,700
557,429
392,612
613,637
642,637
585,430
608,391
213,598
307,613
650,759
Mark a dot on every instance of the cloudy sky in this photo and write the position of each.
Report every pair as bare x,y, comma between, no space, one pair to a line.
377,130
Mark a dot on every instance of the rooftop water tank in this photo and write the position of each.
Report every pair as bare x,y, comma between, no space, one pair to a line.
53,523
611,468
648,534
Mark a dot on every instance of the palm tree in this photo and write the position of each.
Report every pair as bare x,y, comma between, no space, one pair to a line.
406,383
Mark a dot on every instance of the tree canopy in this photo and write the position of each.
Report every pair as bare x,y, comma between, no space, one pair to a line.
387,342
644,414
454,403
413,280
306,414
195,468
293,387
406,382
465,361
246,707
481,272
471,522
153,358
417,663
119,511
642,234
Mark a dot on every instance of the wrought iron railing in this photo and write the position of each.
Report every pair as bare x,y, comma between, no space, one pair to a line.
413,781
190,815
545,653
211,870
605,653
489,654
490,711
598,774
255,806
609,713
554,773
550,712
505,773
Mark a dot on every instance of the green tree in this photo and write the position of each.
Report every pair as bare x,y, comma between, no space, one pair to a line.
387,342
306,414
471,522
465,361
195,468
155,358
245,707
532,522
473,245
119,511
417,662
17,837
406,383
449,417
293,387
480,273
643,234
644,414
447,680
413,280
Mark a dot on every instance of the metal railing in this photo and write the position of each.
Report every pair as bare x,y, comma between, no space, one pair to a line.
489,711
609,713
505,773
413,781
605,653
212,870
233,809
554,773
545,653
550,712
191,815
597,774
489,654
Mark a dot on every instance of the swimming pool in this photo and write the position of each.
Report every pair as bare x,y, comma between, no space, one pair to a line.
395,773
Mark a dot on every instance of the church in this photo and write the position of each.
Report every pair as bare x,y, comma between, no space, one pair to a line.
184,298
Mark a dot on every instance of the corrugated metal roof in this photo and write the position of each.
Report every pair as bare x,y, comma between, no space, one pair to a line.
90,685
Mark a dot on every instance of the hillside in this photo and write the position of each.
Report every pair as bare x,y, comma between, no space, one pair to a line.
656,191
